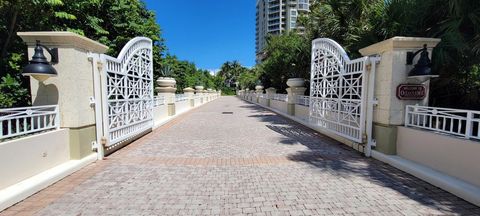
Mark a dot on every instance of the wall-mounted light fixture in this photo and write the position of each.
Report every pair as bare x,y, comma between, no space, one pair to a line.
423,68
39,68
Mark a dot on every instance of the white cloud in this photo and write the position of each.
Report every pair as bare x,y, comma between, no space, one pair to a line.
213,71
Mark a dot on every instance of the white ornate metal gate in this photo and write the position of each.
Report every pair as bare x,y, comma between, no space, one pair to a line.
127,92
338,93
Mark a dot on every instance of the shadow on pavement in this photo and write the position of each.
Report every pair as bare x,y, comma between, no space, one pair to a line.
331,156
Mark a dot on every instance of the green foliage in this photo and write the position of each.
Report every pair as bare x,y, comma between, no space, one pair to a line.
11,92
166,71
249,78
355,24
287,56
111,22
187,75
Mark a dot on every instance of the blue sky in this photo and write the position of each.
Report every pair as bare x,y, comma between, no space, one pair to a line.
208,32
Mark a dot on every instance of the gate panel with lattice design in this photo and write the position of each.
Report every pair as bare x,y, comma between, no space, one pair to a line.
127,87
337,91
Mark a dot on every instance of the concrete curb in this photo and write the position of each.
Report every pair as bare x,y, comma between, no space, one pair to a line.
18,192
460,188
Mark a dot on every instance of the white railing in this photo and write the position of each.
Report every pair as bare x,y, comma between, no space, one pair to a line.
463,123
158,101
262,95
26,120
180,97
280,97
303,100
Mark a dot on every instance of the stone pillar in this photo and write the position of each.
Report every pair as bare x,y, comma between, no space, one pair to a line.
190,92
168,92
293,92
259,91
391,72
270,92
198,91
73,88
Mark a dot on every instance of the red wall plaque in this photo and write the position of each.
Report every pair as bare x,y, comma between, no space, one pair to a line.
411,92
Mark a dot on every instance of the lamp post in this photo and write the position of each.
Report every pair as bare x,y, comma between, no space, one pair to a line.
39,67
423,67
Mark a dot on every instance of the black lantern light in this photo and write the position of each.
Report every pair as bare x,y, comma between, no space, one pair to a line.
39,68
423,68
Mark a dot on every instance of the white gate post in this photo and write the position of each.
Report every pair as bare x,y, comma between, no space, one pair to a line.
73,88
390,73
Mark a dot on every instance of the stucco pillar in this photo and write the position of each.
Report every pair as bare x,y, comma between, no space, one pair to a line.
390,73
270,92
190,92
169,94
259,91
199,92
293,92
72,89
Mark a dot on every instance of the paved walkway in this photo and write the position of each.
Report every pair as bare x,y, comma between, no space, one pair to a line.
250,162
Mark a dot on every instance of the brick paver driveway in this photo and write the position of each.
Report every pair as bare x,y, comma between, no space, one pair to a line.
249,161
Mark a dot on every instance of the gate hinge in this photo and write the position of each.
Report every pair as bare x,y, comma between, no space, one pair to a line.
375,59
99,65
94,146
104,141
373,143
375,101
92,101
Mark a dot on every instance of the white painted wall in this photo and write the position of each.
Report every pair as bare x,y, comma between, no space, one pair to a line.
279,105
25,157
182,106
302,112
263,101
160,113
450,155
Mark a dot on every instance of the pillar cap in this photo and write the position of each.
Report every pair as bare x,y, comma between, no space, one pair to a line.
188,89
399,43
166,89
62,39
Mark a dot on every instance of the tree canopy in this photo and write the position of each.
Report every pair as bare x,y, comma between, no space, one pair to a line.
111,22
359,23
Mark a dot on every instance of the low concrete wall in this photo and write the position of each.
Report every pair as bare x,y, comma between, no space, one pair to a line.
182,106
160,113
302,112
263,101
280,106
25,157
453,156
197,102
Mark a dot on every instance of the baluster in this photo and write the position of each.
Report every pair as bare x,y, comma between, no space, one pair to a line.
469,125
39,126
32,126
444,123
17,126
25,124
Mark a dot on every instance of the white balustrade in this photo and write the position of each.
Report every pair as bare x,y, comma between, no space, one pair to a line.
26,120
457,122
280,97
158,101
303,100
180,97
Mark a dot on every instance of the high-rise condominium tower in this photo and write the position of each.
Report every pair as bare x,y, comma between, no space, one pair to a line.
275,17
